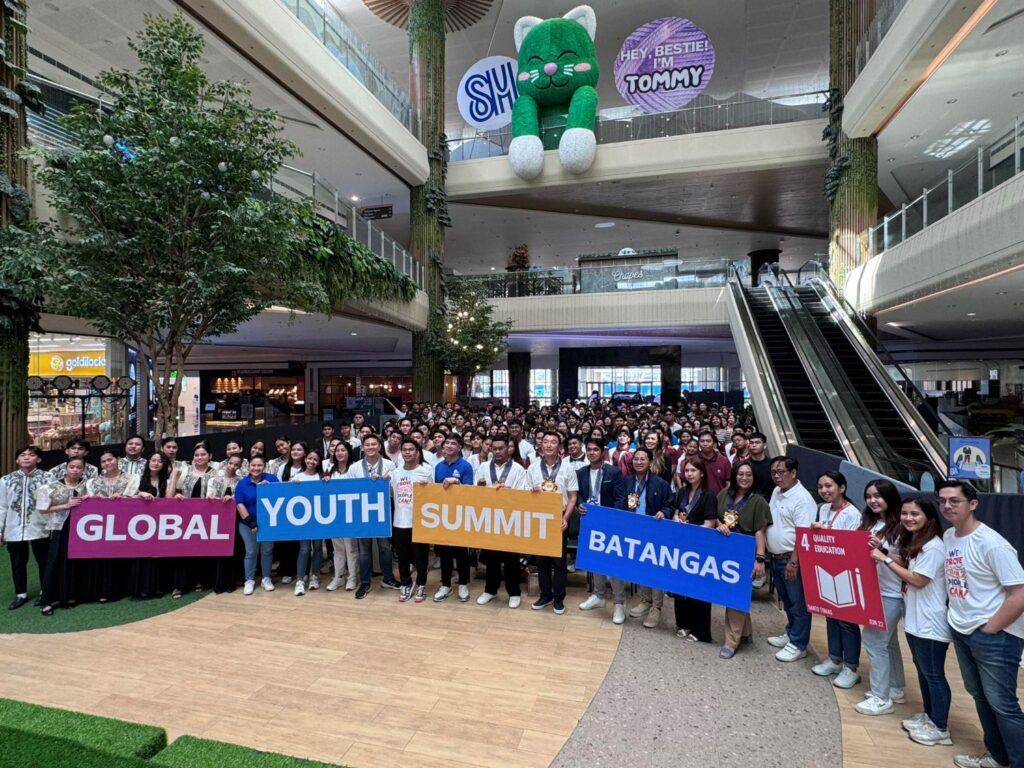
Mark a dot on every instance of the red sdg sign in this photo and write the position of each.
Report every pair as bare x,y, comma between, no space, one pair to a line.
839,576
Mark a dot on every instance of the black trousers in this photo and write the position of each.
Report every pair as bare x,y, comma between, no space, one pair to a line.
502,565
695,616
551,573
460,556
49,582
410,554
18,552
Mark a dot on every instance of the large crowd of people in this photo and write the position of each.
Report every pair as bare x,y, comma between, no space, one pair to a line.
691,465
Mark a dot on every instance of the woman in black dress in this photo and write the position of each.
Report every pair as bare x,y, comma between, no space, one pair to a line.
157,482
110,577
194,572
694,506
56,501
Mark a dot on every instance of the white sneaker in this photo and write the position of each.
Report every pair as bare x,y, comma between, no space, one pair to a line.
314,582
930,735
442,593
514,601
485,598
287,579
592,602
404,594
250,586
570,567
335,583
846,679
827,668
268,585
350,584
300,587
463,593
420,594
790,653
976,761
778,641
619,614
875,706
915,722
897,695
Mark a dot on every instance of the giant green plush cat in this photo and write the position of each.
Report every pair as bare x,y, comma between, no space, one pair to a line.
557,74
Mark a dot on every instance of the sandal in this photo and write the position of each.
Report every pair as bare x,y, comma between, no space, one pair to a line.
176,594
726,653
46,610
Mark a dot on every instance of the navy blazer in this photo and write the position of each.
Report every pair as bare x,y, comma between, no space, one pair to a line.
613,486
659,495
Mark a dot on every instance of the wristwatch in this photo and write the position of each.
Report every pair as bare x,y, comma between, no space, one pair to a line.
760,558
888,561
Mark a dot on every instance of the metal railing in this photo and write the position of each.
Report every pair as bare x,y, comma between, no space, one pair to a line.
987,168
885,16
667,274
355,55
294,183
472,144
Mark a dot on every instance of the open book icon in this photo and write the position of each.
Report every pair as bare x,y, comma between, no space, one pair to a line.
842,590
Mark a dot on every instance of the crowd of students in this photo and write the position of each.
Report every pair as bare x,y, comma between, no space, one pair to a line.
692,465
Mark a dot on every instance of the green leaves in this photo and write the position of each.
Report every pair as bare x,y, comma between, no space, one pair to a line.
468,338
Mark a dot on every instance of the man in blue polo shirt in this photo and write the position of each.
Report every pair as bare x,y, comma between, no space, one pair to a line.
450,470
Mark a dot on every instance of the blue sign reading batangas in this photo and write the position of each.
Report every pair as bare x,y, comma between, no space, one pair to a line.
683,559
338,509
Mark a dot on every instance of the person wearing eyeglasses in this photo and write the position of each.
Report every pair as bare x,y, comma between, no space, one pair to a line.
985,586
792,507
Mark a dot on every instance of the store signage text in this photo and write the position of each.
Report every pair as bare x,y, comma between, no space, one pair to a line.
487,92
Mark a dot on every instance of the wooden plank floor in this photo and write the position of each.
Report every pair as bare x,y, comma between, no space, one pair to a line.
361,683
872,741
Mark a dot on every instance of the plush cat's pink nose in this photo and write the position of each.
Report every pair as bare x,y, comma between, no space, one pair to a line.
550,68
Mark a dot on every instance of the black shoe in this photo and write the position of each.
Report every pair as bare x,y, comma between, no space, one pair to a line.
390,584
17,602
363,591
543,603
559,607
38,602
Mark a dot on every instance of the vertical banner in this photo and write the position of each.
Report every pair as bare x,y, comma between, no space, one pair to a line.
839,576
970,458
683,559
116,528
334,509
504,520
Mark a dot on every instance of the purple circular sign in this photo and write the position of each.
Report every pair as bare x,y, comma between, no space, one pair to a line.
664,65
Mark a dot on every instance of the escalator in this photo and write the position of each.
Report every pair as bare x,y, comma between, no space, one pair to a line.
810,421
884,416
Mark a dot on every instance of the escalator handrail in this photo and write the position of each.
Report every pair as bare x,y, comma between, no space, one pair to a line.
926,437
839,417
782,428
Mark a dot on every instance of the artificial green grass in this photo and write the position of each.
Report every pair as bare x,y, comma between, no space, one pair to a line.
27,619
22,749
190,752
113,737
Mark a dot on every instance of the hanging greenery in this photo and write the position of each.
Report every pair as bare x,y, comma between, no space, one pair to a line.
838,164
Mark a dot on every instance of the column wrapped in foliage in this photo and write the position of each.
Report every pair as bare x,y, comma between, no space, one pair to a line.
429,209
851,181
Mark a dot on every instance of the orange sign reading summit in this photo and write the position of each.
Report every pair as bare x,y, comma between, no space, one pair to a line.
469,516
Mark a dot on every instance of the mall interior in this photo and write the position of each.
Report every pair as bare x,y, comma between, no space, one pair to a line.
697,257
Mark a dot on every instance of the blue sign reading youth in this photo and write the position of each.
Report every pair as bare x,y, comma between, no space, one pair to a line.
337,509
683,559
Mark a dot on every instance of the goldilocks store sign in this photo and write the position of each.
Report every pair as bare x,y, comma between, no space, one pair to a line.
67,363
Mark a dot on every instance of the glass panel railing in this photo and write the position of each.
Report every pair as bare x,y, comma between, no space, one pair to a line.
667,274
344,45
886,14
741,112
985,169
290,182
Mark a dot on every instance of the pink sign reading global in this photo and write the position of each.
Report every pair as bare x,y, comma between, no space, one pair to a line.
664,65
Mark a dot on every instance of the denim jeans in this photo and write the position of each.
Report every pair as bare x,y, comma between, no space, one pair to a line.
843,642
302,563
387,566
265,549
798,620
930,661
883,649
989,666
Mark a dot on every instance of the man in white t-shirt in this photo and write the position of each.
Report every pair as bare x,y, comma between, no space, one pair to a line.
374,466
501,472
552,474
985,585
526,450
792,507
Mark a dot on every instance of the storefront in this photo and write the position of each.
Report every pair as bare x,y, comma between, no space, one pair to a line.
78,386
337,385
251,397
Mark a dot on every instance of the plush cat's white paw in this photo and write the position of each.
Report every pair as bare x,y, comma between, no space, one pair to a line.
576,150
526,156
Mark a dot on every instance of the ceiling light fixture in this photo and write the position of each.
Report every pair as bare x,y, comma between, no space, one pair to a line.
355,198
972,314
604,225
1002,52
353,334
951,101
915,137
